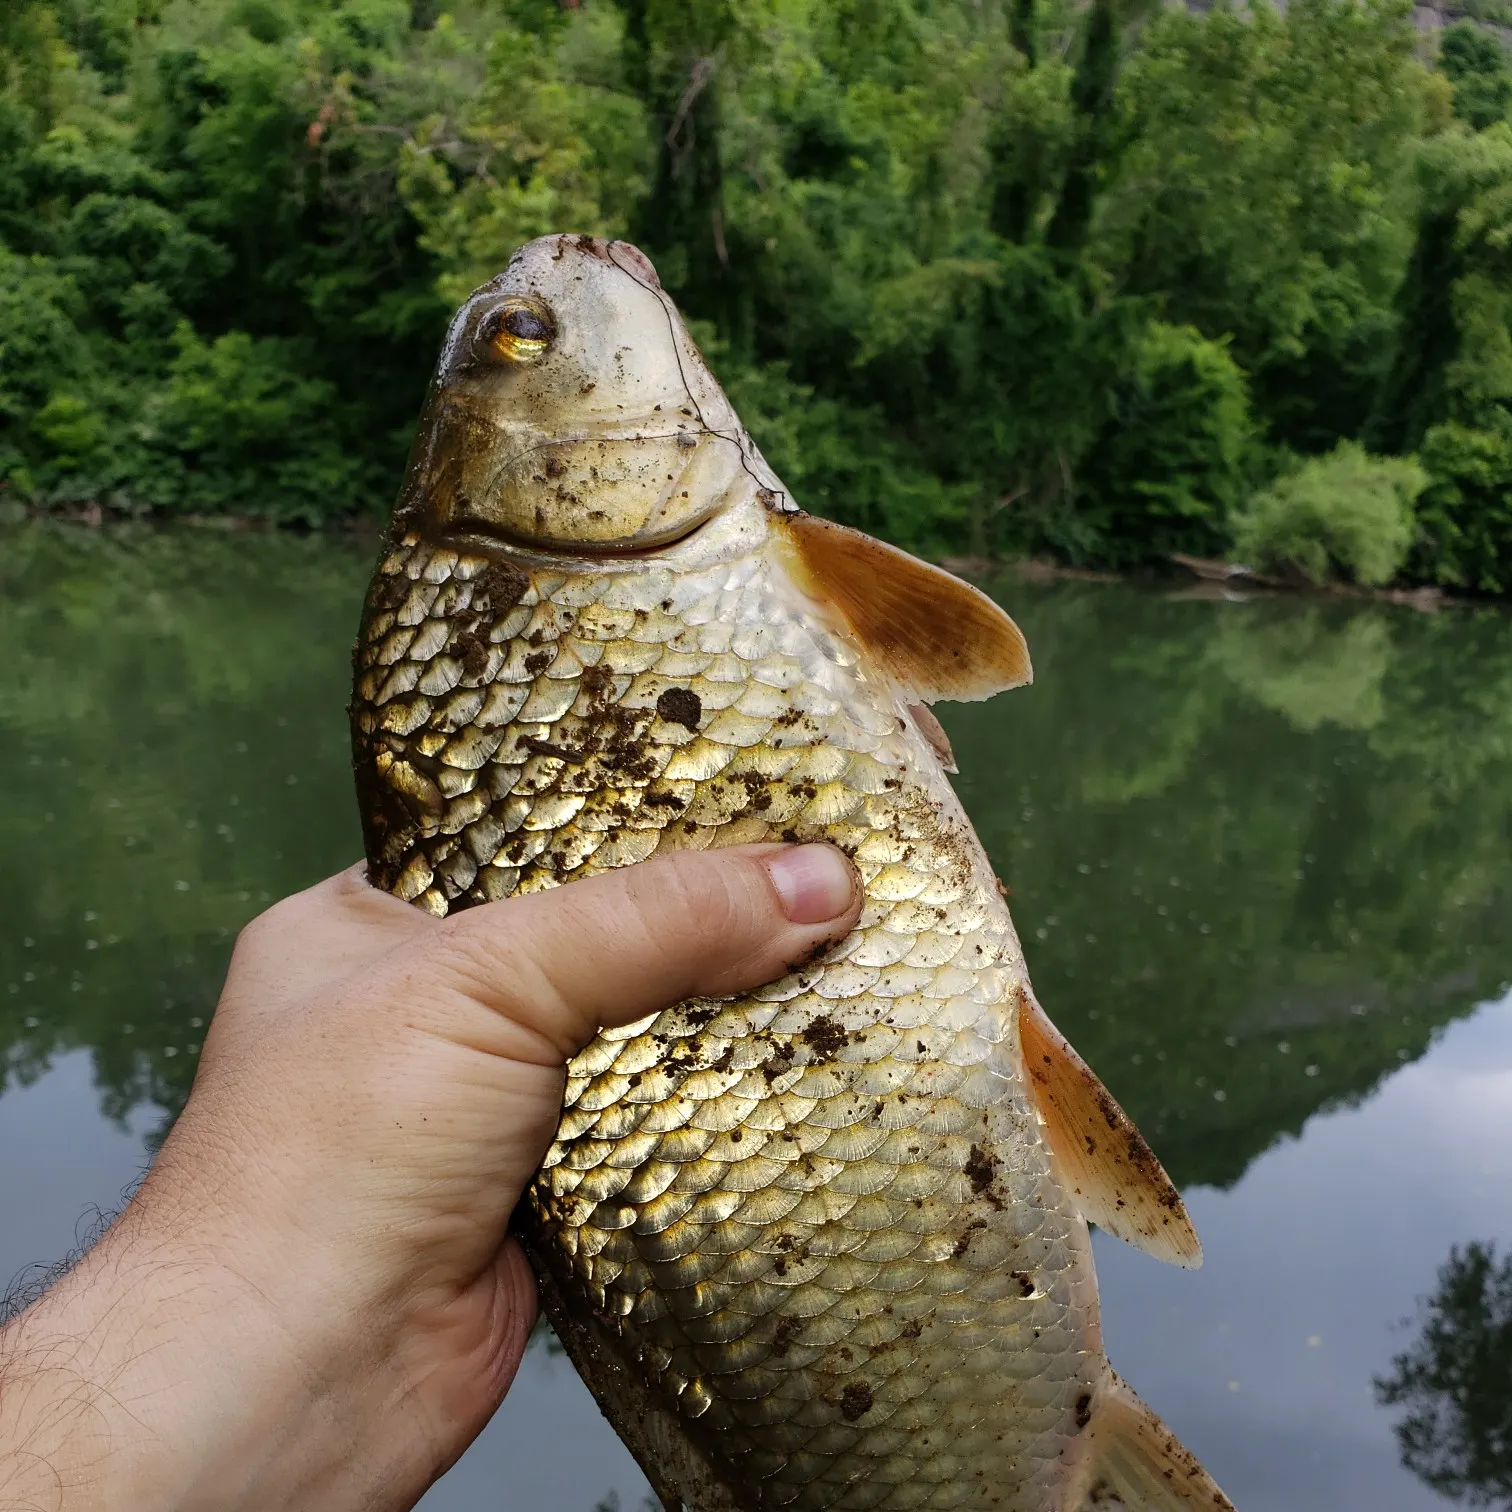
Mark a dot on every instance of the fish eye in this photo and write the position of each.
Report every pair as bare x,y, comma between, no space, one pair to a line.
518,329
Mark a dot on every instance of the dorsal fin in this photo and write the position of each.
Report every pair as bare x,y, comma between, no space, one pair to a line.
938,636
1127,1458
1098,1153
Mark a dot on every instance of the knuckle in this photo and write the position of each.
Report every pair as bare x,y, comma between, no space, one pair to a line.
508,963
722,913
717,899
672,894
490,959
462,945
259,933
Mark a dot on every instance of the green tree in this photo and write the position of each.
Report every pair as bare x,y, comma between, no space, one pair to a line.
1266,194
987,275
1448,395
1475,61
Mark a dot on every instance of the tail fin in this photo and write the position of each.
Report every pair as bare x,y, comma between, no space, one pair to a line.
1133,1462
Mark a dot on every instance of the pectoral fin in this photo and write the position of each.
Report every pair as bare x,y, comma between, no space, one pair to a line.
937,635
1127,1458
934,734
1098,1153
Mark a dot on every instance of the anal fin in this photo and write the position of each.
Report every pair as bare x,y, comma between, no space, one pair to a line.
1129,1461
1097,1152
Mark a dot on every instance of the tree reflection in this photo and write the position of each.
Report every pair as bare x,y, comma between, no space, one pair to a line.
1258,852
173,755
1455,1382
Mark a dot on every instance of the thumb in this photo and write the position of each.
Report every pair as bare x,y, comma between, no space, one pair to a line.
610,949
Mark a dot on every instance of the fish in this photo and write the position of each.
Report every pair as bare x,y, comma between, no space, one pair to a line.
823,1246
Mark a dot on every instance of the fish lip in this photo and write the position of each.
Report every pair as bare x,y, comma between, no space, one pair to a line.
609,433
486,539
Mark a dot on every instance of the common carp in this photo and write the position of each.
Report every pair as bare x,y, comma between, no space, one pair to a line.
823,1246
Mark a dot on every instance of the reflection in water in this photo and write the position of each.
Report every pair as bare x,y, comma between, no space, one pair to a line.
173,752
1311,667
1258,852
1456,1382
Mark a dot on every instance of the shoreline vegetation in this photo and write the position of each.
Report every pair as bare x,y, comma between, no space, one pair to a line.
1188,577
1094,284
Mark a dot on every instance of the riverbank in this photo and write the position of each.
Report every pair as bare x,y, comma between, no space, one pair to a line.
95,516
1194,578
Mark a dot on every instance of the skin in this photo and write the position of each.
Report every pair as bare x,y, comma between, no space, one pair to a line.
313,1300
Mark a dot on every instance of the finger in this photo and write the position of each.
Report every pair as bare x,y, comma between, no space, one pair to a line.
613,948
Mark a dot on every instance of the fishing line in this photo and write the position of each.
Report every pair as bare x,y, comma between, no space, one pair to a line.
741,440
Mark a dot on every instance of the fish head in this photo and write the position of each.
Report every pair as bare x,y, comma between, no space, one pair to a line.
572,413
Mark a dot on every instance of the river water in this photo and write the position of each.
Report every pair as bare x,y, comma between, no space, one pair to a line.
1260,855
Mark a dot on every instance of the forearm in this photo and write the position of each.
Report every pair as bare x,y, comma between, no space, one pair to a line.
153,1377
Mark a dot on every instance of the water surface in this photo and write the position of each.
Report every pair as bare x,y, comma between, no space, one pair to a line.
1260,854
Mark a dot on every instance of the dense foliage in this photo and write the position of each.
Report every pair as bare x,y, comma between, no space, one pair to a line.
1076,276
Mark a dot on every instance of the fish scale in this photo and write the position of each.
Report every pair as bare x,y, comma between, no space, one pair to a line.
761,1199
821,1246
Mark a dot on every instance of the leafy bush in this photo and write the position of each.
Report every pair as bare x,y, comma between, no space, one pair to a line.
1346,512
249,432
1476,63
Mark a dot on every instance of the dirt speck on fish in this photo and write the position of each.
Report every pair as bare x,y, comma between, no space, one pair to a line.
823,1246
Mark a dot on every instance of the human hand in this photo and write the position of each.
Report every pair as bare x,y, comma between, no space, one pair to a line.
312,1302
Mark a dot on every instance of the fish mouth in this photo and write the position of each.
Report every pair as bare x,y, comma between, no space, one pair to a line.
488,539
590,498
